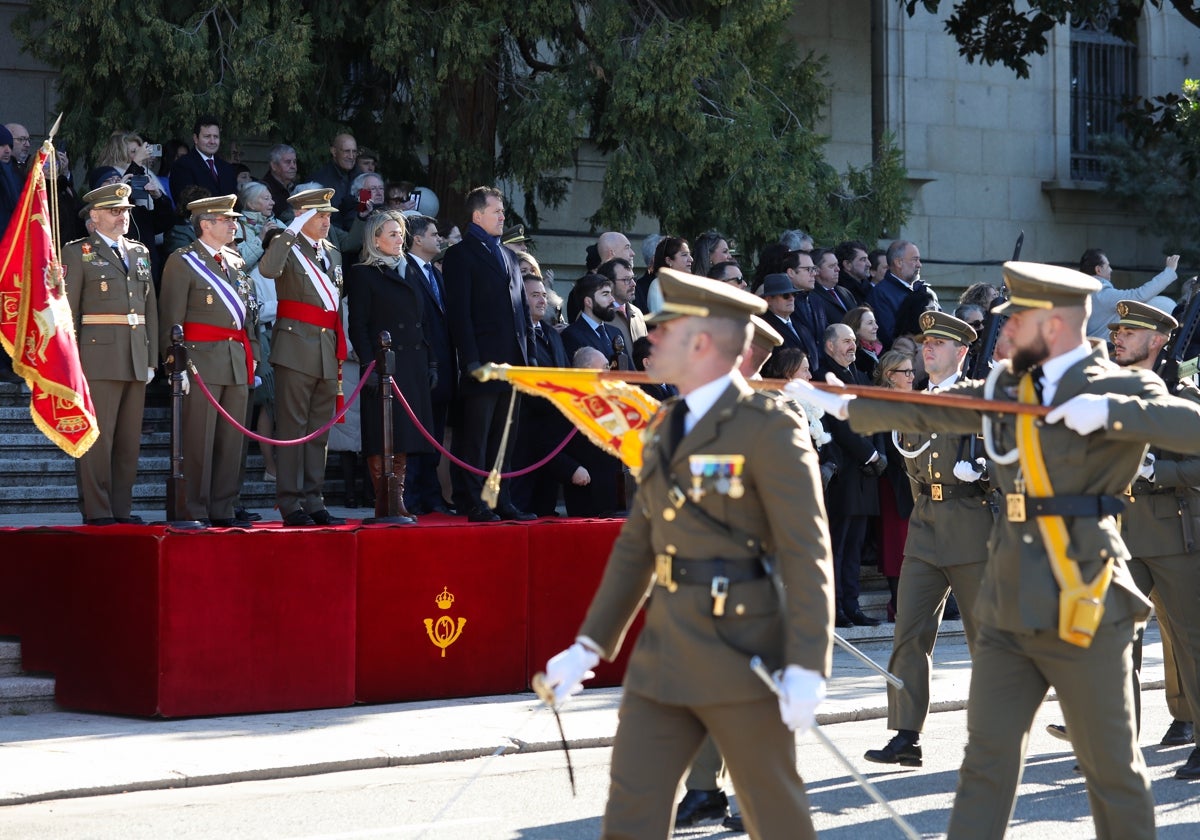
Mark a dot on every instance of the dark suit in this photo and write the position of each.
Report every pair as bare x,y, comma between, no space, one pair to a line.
809,320
192,169
212,448
116,359
688,673
834,303
279,193
794,335
542,427
489,319
851,497
885,299
581,334
423,488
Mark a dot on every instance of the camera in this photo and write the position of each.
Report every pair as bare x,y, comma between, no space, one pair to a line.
364,197
154,150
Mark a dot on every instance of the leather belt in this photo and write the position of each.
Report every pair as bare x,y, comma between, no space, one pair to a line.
130,320
1087,506
941,492
675,570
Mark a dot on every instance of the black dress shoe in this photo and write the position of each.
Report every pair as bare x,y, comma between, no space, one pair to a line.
442,508
248,515
1180,732
298,519
482,514
734,823
1191,769
513,514
1058,731
840,620
699,806
324,517
132,519
236,522
900,750
101,521
861,619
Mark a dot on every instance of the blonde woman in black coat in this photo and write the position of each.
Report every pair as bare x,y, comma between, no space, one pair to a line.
381,297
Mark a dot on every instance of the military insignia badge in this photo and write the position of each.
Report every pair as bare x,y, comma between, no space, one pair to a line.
86,248
208,300
104,285
721,474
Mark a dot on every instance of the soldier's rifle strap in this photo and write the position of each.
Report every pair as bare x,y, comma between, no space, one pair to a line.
1080,604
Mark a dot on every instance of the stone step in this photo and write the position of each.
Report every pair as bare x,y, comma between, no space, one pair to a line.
24,695
10,658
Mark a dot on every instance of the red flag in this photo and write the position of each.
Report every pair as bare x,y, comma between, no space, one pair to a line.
36,324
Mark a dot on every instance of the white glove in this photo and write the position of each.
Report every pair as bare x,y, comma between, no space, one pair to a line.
258,382
301,220
966,471
149,375
800,692
1084,414
187,385
1146,470
566,671
832,404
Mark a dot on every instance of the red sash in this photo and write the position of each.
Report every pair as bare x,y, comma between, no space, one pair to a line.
318,317
208,332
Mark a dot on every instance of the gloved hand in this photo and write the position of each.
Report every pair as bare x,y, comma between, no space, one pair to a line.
566,671
149,375
832,404
876,466
966,471
187,384
1146,470
433,378
800,692
1084,414
301,220
257,382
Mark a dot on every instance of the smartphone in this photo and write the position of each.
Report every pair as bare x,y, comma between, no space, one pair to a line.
154,150
415,198
364,196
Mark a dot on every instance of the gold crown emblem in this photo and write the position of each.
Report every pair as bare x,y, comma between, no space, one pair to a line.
927,320
444,599
1122,309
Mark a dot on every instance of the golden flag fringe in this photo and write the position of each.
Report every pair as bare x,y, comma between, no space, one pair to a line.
36,325
612,414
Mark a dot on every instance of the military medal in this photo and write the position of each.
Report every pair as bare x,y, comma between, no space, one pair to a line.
88,256
722,472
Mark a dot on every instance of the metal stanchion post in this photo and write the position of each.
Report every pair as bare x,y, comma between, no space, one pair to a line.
387,508
177,483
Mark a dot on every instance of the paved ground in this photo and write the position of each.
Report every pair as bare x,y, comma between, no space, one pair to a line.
64,754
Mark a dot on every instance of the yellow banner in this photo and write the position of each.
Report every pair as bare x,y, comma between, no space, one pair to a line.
611,413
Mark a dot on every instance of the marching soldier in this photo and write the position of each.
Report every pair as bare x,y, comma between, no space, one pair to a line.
728,508
946,547
1058,606
307,349
111,292
1159,526
206,289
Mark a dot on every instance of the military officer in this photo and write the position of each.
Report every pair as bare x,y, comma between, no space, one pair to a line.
111,292
946,547
308,346
1062,481
206,289
1160,526
728,508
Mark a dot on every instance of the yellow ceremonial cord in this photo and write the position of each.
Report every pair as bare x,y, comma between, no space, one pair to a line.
1080,604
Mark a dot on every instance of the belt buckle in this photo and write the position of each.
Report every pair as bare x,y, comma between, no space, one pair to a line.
1015,503
719,592
662,572
935,492
132,319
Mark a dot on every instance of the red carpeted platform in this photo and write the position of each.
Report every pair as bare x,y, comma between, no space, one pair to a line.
151,621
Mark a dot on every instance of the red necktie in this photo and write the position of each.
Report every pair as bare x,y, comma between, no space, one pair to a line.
212,167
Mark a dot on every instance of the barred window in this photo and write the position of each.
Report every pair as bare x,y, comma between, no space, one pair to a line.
1103,80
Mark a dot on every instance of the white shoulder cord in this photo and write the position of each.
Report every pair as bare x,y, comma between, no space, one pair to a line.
989,389
906,453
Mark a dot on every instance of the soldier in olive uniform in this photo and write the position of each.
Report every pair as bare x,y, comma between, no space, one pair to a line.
1091,444
206,289
946,547
307,348
729,536
1160,527
111,293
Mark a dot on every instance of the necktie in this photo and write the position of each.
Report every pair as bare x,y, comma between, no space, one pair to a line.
431,279
321,259
1039,381
833,293
120,257
212,167
678,415
605,341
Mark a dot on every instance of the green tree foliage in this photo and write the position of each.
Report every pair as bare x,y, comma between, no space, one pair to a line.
704,107
1154,169
1009,31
